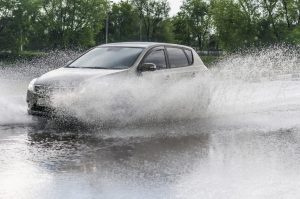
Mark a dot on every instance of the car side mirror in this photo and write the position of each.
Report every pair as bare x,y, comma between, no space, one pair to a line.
148,67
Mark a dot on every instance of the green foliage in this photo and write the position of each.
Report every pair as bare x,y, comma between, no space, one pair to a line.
294,36
7,35
37,24
182,32
192,24
165,33
24,55
140,20
198,20
254,23
124,22
206,25
152,13
17,19
69,23
235,29
210,60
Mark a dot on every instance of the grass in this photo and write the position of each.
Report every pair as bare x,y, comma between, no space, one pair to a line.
24,55
210,60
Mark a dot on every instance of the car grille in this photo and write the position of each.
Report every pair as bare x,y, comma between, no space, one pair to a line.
43,90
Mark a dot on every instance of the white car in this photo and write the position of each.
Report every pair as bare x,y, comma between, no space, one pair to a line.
139,59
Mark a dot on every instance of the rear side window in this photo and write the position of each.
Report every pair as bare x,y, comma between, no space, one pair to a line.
158,58
177,58
189,54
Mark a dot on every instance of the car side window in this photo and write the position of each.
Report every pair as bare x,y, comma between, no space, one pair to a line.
177,57
158,58
189,54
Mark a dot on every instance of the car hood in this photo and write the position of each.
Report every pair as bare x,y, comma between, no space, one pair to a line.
72,77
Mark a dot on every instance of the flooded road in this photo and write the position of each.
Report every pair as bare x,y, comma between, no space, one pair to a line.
246,146
182,161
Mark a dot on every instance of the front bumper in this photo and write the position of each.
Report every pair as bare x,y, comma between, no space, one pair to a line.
34,108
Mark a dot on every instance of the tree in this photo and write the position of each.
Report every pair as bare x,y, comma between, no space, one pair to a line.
289,11
165,33
297,11
17,19
182,32
235,28
204,24
69,23
7,40
286,6
152,13
293,37
193,23
123,26
270,8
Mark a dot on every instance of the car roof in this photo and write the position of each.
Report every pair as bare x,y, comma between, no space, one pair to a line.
141,44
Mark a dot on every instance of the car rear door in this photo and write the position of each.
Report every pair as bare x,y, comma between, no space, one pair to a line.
180,62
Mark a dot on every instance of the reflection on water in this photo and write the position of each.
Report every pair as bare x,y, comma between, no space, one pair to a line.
102,164
89,150
178,161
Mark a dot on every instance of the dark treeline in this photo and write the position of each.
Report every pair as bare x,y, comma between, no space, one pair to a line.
206,25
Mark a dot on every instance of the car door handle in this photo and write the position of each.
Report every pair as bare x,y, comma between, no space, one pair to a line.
167,77
194,74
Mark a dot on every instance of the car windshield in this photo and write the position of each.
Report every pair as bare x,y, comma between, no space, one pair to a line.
108,58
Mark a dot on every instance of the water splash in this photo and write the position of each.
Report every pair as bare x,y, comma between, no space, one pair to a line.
247,83
27,70
260,87
267,64
14,79
126,101
258,81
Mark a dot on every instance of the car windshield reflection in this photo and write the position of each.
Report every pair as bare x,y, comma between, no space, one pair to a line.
108,58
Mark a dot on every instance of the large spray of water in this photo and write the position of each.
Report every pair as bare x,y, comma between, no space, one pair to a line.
256,80
14,79
136,100
246,83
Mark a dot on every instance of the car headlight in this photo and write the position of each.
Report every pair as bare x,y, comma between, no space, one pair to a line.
31,85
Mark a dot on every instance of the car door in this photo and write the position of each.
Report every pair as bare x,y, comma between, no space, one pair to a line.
181,63
158,57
